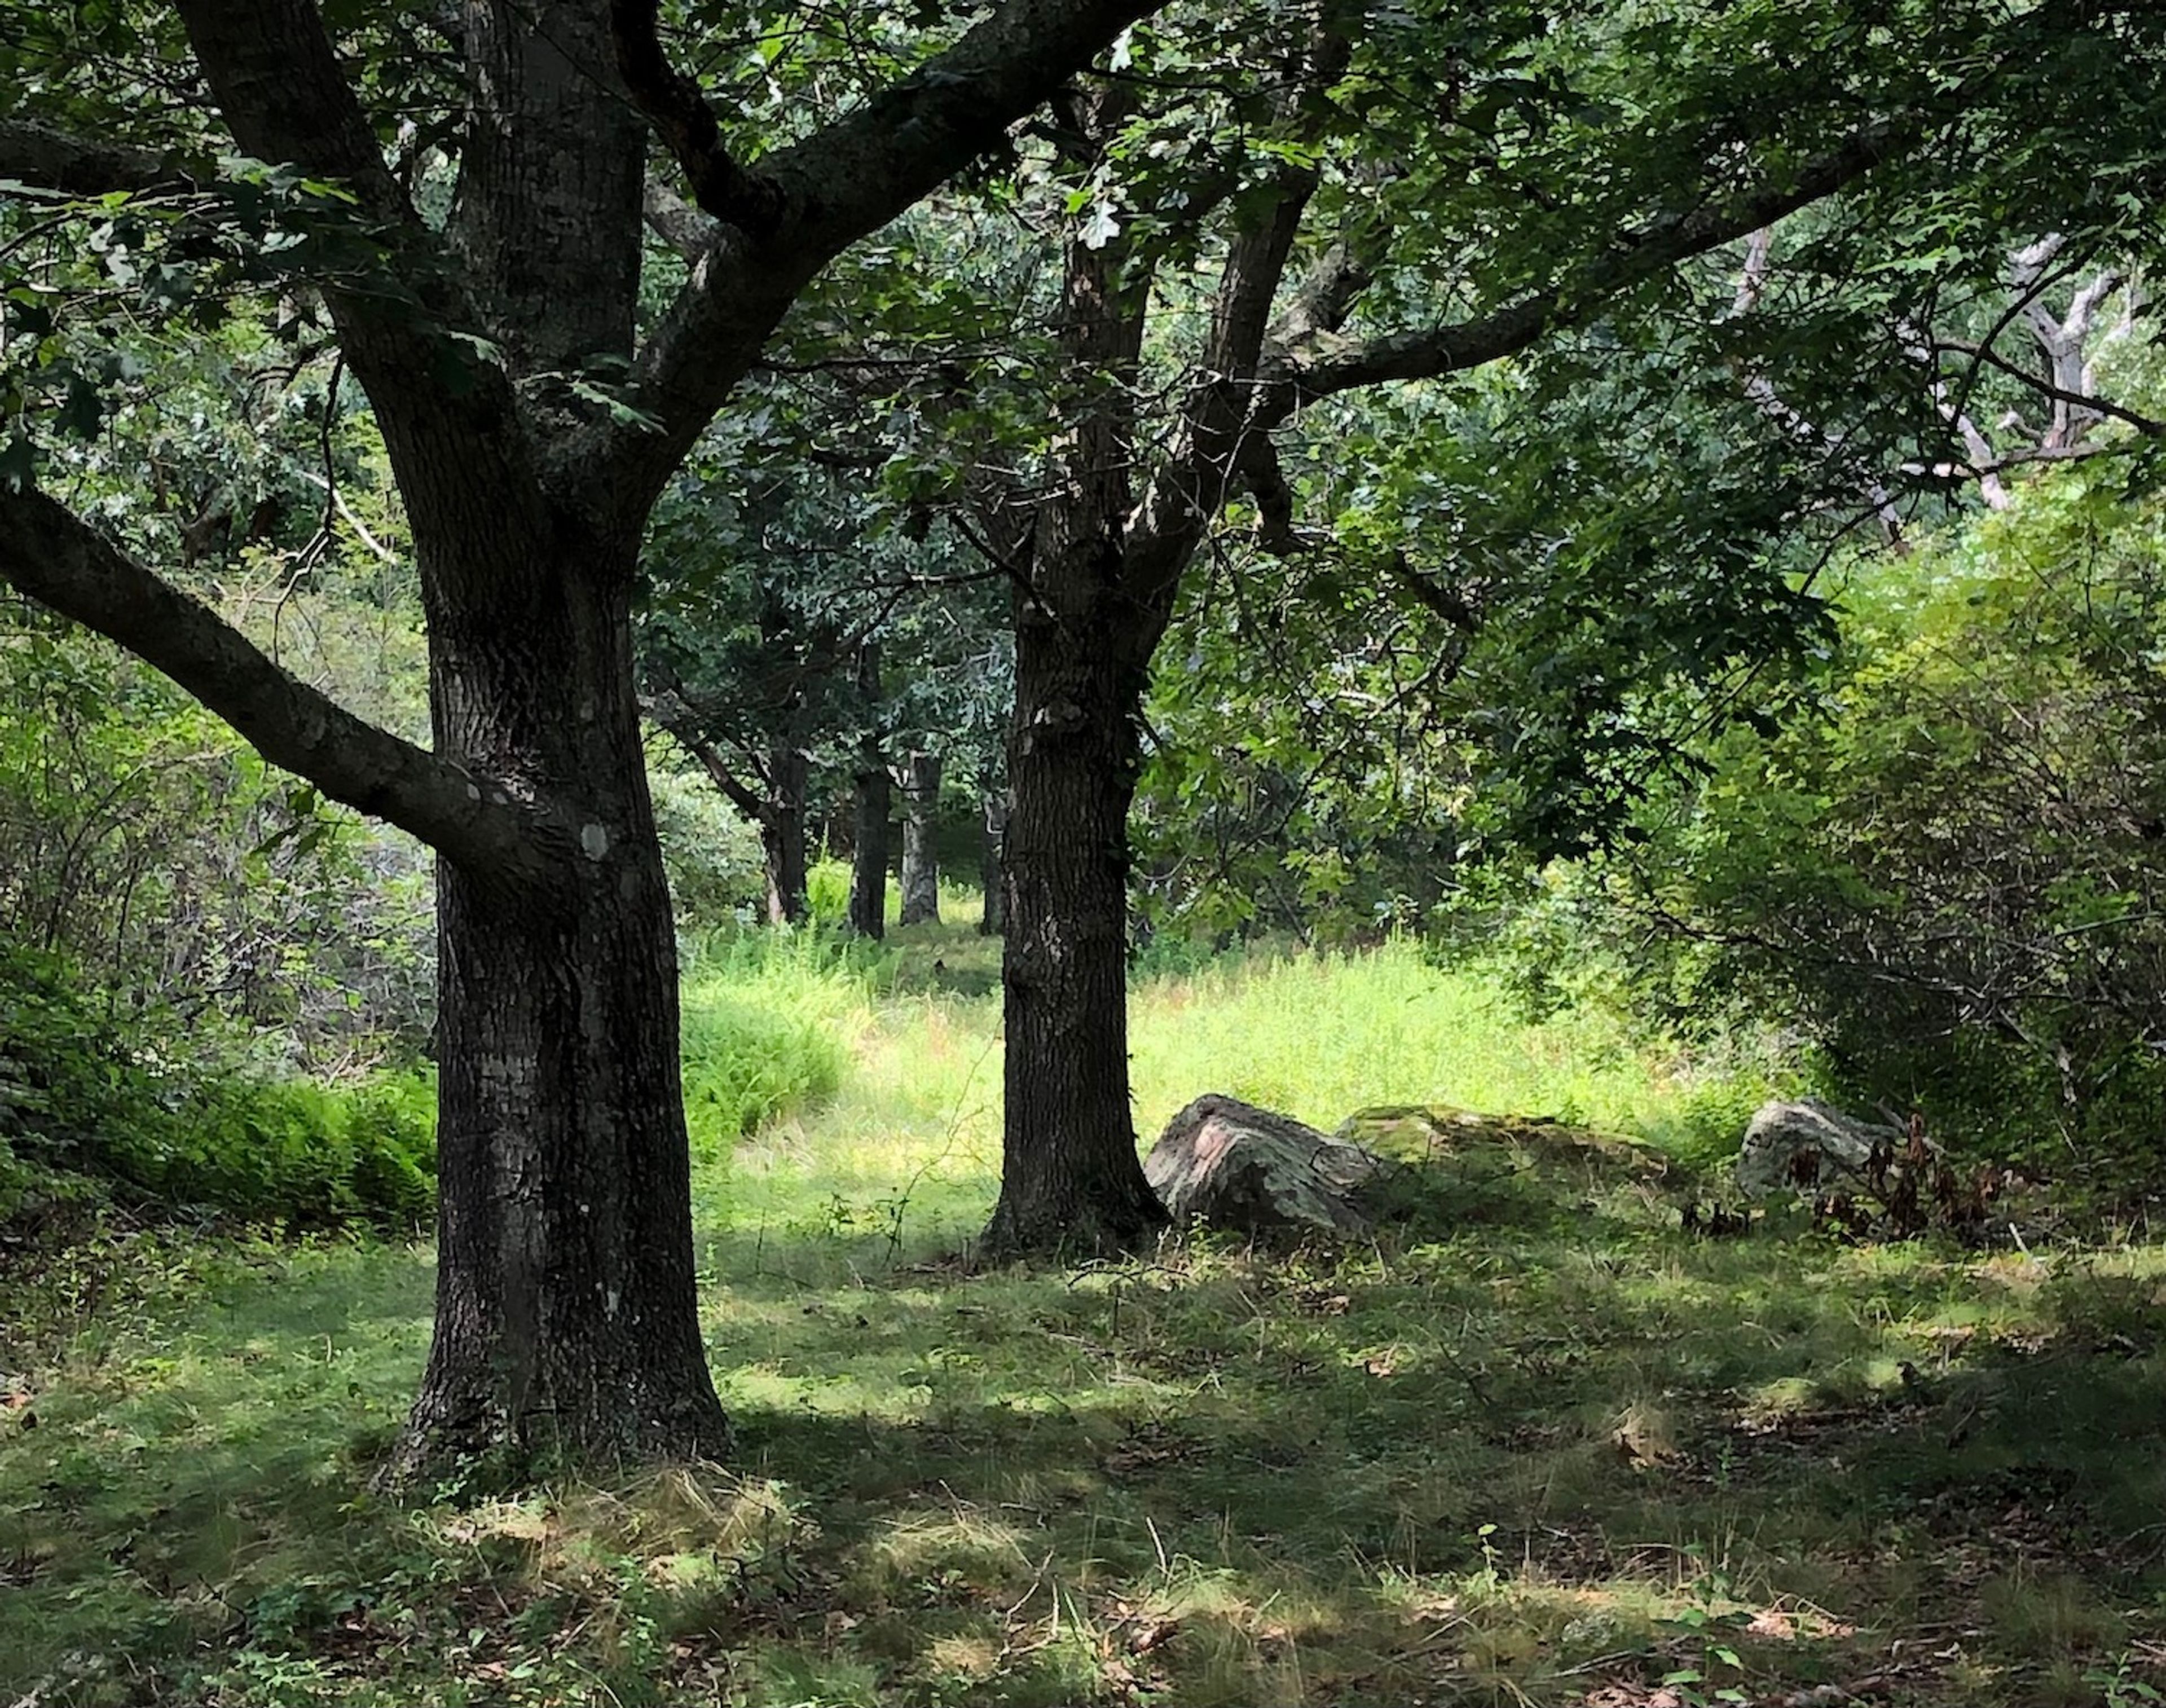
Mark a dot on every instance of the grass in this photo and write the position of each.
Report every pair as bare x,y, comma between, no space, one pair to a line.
1537,1445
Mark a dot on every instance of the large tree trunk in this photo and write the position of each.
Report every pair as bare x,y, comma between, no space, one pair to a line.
869,866
921,866
992,916
1069,1180
567,1315
782,834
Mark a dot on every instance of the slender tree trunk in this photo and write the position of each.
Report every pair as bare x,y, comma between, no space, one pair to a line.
921,866
1070,1179
567,1318
868,868
782,834
991,918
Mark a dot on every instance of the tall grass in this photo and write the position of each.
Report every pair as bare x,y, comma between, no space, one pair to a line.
1320,1036
837,1086
769,1019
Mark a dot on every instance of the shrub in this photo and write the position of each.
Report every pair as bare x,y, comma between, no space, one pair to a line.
1950,882
167,1124
828,891
712,854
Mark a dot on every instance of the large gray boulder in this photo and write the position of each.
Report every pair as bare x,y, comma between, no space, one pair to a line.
1781,1135
1233,1166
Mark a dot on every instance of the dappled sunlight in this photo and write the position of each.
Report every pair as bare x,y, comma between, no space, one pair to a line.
1533,1442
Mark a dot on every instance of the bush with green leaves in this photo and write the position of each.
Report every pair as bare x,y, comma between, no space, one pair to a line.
178,1118
712,852
1953,876
144,841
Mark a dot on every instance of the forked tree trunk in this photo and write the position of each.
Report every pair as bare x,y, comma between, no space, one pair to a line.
991,917
567,1319
782,834
921,866
1070,1179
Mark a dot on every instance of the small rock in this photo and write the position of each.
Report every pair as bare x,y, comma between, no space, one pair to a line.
1781,1133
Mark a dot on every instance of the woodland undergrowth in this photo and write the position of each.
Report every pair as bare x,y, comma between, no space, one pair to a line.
1538,1443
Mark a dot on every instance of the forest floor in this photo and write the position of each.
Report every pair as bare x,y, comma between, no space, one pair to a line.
1538,1445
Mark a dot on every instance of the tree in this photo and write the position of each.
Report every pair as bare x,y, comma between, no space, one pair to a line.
1405,197
921,864
531,427
762,594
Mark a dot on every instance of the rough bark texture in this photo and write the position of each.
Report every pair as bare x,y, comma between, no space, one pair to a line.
993,915
1069,1180
920,867
782,835
873,792
566,1313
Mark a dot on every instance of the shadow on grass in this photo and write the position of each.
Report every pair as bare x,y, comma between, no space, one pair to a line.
1533,1444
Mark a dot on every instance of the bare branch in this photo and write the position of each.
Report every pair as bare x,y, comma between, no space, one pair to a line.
57,558
1751,283
675,716
2148,426
676,221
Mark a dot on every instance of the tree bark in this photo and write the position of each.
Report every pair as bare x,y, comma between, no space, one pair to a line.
993,916
921,866
567,1319
782,835
869,865
1070,1180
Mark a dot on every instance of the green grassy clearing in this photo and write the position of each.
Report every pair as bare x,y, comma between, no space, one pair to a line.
1536,1446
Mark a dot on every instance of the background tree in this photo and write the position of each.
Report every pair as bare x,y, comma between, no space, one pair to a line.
1351,235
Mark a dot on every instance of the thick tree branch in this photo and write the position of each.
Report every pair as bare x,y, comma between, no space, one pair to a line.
1189,489
1641,256
681,117
43,158
1209,456
1326,298
277,81
842,182
411,332
58,559
1433,595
